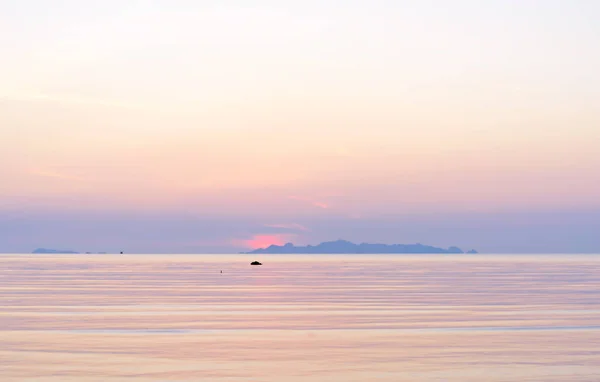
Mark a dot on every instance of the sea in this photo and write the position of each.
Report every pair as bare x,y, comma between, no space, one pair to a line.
346,318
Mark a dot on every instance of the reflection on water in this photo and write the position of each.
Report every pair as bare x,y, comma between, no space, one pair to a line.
455,318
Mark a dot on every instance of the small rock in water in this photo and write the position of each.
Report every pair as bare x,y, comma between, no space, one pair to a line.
255,263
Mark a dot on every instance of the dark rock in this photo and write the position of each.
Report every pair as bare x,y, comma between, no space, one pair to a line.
255,263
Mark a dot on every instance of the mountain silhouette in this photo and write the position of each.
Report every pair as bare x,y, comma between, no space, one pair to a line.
346,247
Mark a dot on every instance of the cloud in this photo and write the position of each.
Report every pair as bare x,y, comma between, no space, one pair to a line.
290,226
263,240
57,175
315,203
33,96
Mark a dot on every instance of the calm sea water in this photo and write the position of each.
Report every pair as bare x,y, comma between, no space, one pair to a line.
458,318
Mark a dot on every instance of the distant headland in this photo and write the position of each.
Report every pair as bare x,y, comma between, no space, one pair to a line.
346,247
54,251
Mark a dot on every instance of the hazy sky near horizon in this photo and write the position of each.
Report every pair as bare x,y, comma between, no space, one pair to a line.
245,123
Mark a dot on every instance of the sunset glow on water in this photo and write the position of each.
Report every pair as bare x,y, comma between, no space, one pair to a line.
451,318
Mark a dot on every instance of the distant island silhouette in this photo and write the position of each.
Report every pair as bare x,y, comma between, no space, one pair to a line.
347,247
54,251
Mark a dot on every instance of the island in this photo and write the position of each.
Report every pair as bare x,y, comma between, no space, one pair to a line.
54,251
347,247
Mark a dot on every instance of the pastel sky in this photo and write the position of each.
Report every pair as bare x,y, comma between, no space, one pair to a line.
214,126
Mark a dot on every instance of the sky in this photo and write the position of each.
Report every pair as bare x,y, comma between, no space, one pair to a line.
176,126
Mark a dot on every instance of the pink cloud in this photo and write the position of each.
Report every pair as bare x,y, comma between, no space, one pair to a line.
263,240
